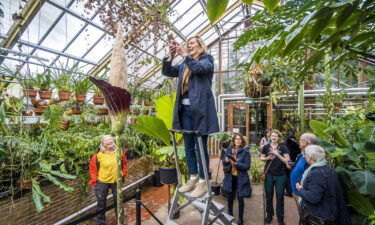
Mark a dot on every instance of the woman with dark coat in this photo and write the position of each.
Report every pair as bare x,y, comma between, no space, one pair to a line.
194,108
322,200
236,181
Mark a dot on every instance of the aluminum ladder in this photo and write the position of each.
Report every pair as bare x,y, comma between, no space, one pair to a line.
213,212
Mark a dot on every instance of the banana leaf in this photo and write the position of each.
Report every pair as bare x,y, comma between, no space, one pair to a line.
153,127
56,182
38,196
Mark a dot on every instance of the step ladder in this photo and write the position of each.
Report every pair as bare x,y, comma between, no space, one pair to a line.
213,212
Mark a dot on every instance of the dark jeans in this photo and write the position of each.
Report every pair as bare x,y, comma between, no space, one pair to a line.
191,144
232,196
279,183
101,192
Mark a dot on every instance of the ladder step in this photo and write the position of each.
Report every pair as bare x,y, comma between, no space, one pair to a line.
170,222
201,199
201,206
218,222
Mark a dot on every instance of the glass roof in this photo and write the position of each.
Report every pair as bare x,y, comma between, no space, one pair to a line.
61,31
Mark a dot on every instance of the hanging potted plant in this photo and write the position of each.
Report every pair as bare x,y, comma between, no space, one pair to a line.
98,98
62,81
44,84
29,87
103,111
82,84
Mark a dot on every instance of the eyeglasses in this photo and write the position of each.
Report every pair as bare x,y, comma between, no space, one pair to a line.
302,140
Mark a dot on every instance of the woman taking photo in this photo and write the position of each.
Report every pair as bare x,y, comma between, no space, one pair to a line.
194,108
236,162
103,171
276,157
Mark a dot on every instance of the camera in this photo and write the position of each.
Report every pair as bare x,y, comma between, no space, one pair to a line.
290,163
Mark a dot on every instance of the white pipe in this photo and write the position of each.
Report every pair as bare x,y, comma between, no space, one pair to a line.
66,219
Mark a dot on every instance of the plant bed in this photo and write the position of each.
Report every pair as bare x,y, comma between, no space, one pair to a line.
80,97
98,100
45,94
64,96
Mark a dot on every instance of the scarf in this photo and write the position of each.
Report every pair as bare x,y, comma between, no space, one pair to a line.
185,78
317,164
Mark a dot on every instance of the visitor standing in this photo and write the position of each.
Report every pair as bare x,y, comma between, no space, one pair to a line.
266,138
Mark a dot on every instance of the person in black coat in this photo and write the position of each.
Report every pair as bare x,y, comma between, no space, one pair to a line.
322,200
194,108
294,151
236,179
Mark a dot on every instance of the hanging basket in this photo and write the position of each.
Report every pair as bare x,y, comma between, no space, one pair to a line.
45,94
80,97
168,175
30,92
76,111
98,100
64,96
39,110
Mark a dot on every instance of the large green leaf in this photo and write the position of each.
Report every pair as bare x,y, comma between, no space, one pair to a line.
38,196
153,127
364,181
249,2
164,111
344,15
360,203
321,23
57,182
271,4
216,8
319,128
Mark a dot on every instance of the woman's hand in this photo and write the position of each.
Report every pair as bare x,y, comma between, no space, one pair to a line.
233,162
180,50
271,157
298,186
172,50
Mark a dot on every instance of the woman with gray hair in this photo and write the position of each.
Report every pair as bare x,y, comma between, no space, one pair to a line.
103,173
322,200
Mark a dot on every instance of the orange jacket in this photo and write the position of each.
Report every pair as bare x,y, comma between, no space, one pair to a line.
94,170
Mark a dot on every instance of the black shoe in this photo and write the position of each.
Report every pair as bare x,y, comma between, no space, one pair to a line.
288,194
230,213
268,220
281,222
240,222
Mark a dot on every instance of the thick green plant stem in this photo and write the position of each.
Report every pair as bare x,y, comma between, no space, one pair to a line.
301,98
120,213
327,76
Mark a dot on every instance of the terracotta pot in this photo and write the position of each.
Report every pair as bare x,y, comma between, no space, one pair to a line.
26,184
146,103
39,110
30,92
133,120
336,109
145,112
153,109
103,111
45,94
80,97
64,96
98,100
76,111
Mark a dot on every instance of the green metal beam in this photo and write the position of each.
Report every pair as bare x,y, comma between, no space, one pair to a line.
18,27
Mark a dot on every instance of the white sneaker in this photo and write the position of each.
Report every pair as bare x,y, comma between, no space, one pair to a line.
200,190
190,185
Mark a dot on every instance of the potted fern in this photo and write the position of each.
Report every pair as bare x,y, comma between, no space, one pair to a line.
98,97
62,81
82,84
44,84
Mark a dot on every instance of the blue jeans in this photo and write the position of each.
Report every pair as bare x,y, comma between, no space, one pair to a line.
191,144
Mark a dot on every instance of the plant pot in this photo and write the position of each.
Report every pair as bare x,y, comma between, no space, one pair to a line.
103,111
146,103
168,175
133,120
76,111
27,113
136,111
64,96
80,97
336,109
39,110
153,109
45,94
24,184
215,187
98,100
224,193
156,179
145,112
30,92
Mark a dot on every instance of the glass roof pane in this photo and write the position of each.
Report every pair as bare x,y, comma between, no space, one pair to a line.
41,23
104,45
196,11
9,7
180,9
84,41
79,8
196,25
63,32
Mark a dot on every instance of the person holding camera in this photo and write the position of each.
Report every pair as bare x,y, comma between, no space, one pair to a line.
194,108
236,163
277,161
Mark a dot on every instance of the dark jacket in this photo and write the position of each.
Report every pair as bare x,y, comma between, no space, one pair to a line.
322,195
243,165
202,104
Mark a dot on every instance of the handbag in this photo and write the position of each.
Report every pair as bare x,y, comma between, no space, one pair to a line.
262,174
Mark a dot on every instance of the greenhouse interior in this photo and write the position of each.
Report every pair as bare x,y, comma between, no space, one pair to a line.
190,111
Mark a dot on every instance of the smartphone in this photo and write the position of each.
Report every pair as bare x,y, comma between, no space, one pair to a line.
232,158
171,40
